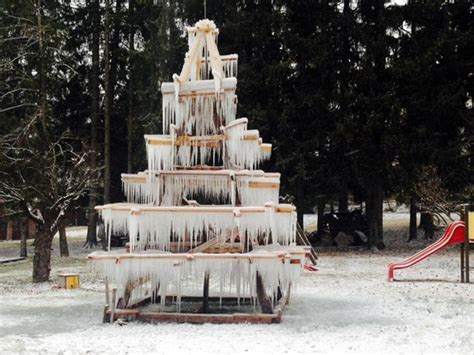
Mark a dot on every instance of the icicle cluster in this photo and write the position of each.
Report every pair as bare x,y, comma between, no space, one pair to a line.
155,228
172,276
115,221
257,196
177,186
199,114
242,152
141,188
160,156
191,155
229,67
168,188
271,228
152,230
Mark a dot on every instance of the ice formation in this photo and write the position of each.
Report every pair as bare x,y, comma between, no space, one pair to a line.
177,186
156,227
196,110
173,273
243,147
164,214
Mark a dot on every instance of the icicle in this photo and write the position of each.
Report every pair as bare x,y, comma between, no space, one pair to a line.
160,156
177,186
252,195
141,188
157,230
115,221
196,114
243,153
177,274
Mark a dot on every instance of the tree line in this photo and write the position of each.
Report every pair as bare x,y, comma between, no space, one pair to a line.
360,98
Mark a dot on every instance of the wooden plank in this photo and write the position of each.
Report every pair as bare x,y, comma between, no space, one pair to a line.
280,307
112,308
202,247
199,86
237,122
207,318
223,249
140,303
198,172
264,185
264,301
117,257
205,297
11,260
121,314
137,180
226,58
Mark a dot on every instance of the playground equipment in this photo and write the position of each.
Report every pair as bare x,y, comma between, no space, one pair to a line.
234,252
456,233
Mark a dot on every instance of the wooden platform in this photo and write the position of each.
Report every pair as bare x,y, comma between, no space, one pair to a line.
11,260
197,318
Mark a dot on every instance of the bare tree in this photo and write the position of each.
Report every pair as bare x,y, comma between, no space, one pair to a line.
434,198
45,181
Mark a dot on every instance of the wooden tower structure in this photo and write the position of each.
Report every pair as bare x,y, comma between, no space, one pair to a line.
209,240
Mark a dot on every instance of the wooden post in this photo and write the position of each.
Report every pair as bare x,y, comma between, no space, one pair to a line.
205,298
107,296
123,301
106,316
263,299
466,244
112,308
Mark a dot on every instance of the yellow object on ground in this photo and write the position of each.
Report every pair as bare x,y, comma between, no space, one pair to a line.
68,280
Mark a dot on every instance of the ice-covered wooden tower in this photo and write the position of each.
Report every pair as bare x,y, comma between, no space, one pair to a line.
206,227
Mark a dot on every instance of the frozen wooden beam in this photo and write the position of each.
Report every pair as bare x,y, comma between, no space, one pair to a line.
190,257
200,87
283,208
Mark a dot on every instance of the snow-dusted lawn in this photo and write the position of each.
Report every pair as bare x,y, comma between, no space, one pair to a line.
347,306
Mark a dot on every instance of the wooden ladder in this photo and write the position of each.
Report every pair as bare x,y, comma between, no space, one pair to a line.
302,239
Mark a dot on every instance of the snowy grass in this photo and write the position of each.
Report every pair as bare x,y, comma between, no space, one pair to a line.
346,307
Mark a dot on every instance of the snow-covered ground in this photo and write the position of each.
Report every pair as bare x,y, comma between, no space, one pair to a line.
347,306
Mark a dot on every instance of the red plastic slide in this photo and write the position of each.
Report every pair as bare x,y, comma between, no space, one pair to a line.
454,234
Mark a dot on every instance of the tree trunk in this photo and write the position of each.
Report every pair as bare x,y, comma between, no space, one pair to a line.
130,88
63,248
42,258
413,210
24,237
321,206
91,239
111,55
41,72
343,203
426,223
374,208
107,104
